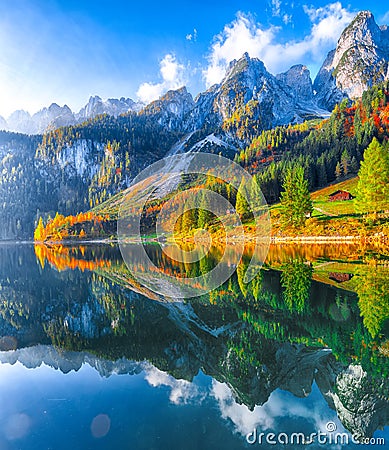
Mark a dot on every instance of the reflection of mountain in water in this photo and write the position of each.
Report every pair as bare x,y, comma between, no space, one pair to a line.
66,361
256,338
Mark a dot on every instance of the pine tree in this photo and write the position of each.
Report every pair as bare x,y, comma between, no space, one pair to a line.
242,207
204,215
354,165
296,204
373,184
345,162
338,171
189,217
322,174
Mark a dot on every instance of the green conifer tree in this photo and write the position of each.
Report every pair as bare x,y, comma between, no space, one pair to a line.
242,206
204,215
373,184
296,204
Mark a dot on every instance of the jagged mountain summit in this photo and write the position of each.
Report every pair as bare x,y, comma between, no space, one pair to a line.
360,60
248,100
112,106
298,79
248,93
171,109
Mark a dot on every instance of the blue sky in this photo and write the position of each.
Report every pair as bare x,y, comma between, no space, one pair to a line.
66,50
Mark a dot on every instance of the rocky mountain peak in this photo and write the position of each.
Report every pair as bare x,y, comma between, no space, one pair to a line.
176,102
55,116
298,78
362,31
171,109
245,66
359,61
21,121
112,106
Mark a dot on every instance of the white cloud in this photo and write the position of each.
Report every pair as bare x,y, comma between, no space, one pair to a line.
243,419
240,36
172,74
287,18
276,7
182,391
192,36
244,34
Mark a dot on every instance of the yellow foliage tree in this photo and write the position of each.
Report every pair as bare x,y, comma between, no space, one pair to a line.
39,233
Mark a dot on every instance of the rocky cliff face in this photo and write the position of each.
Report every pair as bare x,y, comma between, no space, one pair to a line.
248,80
250,98
171,109
298,79
359,61
326,91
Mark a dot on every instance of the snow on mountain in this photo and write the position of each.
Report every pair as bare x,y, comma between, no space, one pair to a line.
211,141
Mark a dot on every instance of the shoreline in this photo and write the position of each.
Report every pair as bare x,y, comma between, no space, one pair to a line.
316,239
275,240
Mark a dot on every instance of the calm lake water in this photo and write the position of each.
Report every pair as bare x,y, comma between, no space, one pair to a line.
92,359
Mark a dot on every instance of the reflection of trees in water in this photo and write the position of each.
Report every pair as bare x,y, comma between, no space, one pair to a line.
372,287
285,306
296,279
275,308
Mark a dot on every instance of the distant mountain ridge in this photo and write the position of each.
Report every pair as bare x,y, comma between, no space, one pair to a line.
248,90
56,116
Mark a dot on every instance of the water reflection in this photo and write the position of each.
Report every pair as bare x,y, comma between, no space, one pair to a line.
283,339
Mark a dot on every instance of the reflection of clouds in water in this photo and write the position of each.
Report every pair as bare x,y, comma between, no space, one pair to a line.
280,405
17,426
244,419
182,391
